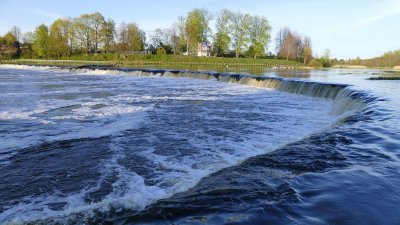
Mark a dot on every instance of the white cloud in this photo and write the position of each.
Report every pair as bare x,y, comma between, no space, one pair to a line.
381,11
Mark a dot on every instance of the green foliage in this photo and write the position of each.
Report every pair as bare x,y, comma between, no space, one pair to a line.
84,32
58,42
40,41
92,37
197,27
161,51
239,28
8,39
140,60
131,38
259,35
314,63
221,43
325,60
97,23
389,59
108,33
9,46
391,53
222,39
307,55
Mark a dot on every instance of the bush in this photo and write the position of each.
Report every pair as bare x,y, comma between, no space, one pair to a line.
314,63
161,51
325,62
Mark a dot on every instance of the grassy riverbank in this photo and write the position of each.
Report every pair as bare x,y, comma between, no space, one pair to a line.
143,60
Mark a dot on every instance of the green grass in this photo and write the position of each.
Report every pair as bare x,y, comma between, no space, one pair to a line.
135,60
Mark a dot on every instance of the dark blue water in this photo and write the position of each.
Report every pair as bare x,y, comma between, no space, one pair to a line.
108,147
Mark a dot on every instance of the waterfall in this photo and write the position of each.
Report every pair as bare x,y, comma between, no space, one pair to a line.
345,98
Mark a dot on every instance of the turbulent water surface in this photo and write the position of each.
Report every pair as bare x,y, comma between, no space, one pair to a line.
154,146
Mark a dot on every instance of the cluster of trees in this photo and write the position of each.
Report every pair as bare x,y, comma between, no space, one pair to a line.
388,59
10,43
290,45
236,35
89,33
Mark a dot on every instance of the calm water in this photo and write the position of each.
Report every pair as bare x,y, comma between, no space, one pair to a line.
108,147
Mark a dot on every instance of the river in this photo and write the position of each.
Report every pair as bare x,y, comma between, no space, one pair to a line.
154,146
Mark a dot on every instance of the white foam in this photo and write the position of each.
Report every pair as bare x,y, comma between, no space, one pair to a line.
12,115
25,67
110,120
129,106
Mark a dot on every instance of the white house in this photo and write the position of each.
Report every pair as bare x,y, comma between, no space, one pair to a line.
204,49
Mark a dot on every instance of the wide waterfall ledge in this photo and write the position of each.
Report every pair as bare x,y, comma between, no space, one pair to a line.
346,100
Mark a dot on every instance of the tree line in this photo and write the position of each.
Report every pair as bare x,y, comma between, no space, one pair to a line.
236,34
388,59
86,34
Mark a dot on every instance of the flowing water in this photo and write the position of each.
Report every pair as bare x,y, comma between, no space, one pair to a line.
153,146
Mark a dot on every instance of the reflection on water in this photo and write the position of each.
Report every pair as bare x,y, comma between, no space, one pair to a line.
289,73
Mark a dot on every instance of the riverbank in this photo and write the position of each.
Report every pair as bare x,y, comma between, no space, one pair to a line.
239,65
339,66
145,60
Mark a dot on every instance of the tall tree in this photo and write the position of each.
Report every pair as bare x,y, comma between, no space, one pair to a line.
165,38
16,31
326,59
71,36
159,37
183,36
290,45
136,37
239,27
197,27
222,39
123,37
27,38
58,38
327,54
108,34
175,39
41,40
259,34
97,23
307,50
284,43
84,32
131,38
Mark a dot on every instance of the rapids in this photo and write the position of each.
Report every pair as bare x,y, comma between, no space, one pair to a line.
95,145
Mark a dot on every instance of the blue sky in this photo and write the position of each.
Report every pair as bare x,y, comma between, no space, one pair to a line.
349,28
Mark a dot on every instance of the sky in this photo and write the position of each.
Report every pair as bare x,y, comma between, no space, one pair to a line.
348,28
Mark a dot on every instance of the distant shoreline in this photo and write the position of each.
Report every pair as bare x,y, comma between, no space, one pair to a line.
349,67
212,62
268,63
